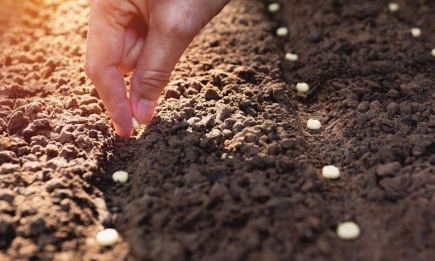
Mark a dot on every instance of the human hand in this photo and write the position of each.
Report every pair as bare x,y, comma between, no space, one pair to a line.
147,36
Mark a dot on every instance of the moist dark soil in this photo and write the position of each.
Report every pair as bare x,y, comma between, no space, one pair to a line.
227,169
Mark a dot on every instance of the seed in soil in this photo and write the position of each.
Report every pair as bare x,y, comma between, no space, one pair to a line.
348,230
107,237
393,7
416,32
313,124
330,172
302,87
136,124
282,31
291,57
120,176
273,8
433,52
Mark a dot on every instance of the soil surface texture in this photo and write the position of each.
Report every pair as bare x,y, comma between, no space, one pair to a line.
227,169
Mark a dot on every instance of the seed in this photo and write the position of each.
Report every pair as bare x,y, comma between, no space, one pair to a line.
120,176
136,124
273,8
107,237
302,87
348,230
433,52
313,124
416,32
291,56
282,31
330,172
393,7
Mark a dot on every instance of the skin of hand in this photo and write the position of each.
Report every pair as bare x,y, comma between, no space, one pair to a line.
147,36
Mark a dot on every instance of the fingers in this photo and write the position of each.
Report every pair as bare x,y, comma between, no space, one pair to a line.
103,54
135,35
158,57
172,26
119,42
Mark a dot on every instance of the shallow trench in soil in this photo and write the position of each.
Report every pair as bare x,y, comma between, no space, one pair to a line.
361,133
227,169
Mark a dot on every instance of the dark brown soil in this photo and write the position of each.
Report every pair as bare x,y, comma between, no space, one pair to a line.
226,170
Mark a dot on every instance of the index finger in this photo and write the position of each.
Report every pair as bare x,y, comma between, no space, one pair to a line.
104,52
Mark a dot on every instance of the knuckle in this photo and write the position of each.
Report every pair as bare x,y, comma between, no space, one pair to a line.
182,31
186,25
154,79
90,70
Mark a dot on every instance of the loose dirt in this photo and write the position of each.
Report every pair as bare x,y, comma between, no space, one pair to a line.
227,169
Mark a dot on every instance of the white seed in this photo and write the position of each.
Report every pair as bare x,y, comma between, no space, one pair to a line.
433,52
282,31
393,7
291,56
302,87
330,172
348,230
136,124
416,32
313,124
120,176
273,8
107,237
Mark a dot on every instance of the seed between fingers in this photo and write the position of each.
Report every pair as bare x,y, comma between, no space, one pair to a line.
136,124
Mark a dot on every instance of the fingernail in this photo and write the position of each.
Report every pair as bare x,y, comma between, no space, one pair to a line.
145,110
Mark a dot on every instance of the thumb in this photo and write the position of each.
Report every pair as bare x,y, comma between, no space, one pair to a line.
159,55
171,28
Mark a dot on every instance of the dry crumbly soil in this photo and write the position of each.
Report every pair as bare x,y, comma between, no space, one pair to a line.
226,170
